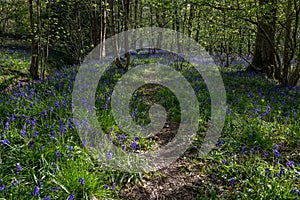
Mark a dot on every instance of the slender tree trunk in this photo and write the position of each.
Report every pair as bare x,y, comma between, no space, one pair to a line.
94,23
295,75
190,21
126,22
113,33
288,52
39,33
136,4
160,35
141,23
103,20
177,26
48,41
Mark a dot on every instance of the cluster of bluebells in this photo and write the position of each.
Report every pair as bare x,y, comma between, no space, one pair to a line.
50,120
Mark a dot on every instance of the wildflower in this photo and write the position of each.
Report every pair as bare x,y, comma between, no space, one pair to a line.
5,142
121,138
35,134
84,143
57,154
71,197
242,150
275,163
13,117
232,181
266,154
46,198
15,183
18,166
70,148
290,164
33,123
134,145
257,148
109,155
224,161
23,132
276,147
54,188
277,153
36,191
252,150
293,191
3,187
81,181
57,104
6,126
105,187
220,143
31,144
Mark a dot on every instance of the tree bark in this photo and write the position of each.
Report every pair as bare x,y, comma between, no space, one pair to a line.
264,59
288,52
113,33
126,22
33,66
103,17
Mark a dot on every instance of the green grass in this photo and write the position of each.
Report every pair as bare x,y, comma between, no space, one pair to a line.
38,123
14,65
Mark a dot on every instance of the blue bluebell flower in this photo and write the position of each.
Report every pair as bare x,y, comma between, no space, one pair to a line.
5,142
81,181
71,197
57,154
19,168
70,148
109,155
224,161
277,153
293,191
232,181
290,164
3,188
36,191
220,143
134,145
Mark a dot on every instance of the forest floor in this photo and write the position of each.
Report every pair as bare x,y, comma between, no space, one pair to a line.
42,155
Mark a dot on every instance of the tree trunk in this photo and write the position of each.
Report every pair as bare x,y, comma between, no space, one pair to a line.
33,66
94,22
39,33
113,33
103,17
264,59
288,52
160,35
126,22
